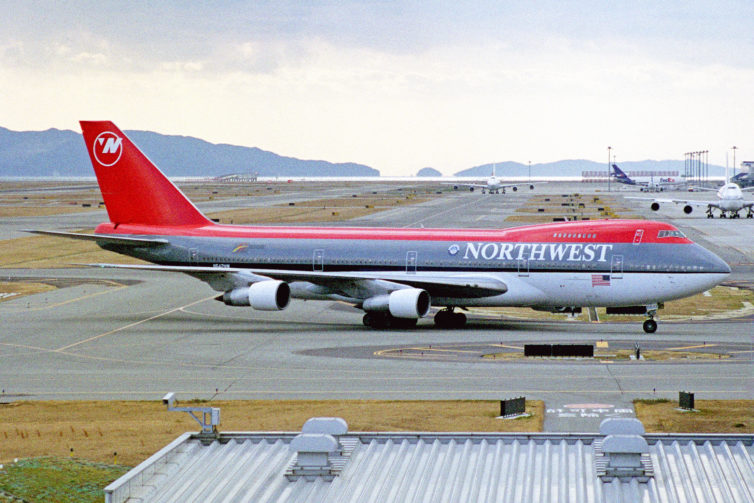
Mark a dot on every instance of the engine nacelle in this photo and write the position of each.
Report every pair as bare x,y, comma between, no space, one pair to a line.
471,189
687,209
531,187
270,295
515,189
655,206
411,303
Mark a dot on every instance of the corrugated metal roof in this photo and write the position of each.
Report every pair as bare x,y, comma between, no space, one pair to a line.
434,467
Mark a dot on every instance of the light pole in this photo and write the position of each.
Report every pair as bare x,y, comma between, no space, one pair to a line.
734,163
529,171
608,167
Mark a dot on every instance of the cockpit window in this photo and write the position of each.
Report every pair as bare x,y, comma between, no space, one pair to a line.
670,234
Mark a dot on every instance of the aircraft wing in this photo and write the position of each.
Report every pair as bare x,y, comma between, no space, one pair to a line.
714,204
221,278
105,238
480,185
677,201
654,199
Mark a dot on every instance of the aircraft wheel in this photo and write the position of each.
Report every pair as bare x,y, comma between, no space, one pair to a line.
404,323
449,319
368,319
441,319
382,320
650,326
375,319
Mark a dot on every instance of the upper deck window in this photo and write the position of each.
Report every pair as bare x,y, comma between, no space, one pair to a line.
670,234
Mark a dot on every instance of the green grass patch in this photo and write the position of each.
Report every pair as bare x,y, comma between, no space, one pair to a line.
57,480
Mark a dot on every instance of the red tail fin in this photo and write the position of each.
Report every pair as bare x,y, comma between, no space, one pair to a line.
134,190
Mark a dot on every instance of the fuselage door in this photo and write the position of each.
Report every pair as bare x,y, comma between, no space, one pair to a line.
193,255
523,267
637,237
616,267
318,260
411,262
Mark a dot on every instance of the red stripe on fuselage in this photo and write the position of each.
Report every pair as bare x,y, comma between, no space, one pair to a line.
597,231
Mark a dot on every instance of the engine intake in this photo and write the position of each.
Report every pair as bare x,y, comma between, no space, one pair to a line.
411,303
270,295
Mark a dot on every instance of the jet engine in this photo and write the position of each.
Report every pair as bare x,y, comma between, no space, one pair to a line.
655,206
515,189
687,209
531,187
407,303
269,295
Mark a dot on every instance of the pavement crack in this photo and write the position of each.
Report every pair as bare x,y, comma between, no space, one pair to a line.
615,378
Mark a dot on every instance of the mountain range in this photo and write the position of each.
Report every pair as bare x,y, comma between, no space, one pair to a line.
61,153
56,153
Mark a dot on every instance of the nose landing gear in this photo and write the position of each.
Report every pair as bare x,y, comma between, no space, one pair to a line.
650,325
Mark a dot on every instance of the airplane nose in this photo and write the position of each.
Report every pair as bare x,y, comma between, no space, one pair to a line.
712,263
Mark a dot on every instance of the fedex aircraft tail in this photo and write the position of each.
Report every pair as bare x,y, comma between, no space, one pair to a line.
134,190
620,175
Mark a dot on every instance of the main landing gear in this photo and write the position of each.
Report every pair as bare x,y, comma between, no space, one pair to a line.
447,318
382,319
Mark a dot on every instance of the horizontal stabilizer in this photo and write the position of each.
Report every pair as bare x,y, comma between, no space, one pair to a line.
104,238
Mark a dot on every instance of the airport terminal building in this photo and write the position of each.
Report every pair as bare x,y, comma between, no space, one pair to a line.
327,463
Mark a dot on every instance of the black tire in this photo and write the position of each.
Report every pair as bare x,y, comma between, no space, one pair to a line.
403,323
650,326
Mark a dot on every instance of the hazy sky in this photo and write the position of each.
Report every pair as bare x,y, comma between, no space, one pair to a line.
396,85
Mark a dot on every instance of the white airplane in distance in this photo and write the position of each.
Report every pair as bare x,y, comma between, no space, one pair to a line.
645,183
494,185
730,201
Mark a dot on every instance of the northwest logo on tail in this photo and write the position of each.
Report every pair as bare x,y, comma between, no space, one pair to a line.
107,148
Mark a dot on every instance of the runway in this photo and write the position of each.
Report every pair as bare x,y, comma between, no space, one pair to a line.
131,335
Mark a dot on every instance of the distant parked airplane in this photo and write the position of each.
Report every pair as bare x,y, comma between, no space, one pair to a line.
730,201
645,183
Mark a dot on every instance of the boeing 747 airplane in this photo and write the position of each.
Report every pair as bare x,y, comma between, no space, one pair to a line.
646,183
730,201
493,185
395,275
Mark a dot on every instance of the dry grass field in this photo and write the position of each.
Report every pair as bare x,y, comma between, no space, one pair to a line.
319,210
711,416
135,430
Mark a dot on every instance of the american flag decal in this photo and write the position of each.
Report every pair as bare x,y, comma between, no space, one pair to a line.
600,280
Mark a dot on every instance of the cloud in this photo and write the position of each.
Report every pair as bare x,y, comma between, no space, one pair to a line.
395,85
